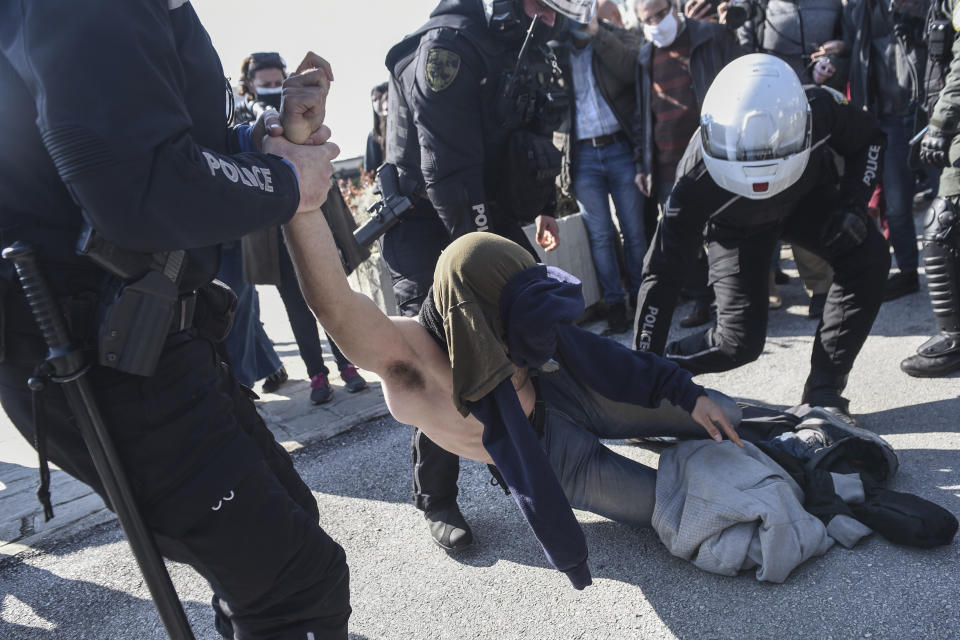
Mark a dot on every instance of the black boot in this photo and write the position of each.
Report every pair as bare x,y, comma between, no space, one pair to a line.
449,528
617,321
275,380
823,390
938,356
901,284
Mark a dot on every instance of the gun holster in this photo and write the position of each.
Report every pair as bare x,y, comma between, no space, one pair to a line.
135,325
146,305
394,202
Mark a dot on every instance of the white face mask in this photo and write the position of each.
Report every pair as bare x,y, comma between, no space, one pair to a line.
663,33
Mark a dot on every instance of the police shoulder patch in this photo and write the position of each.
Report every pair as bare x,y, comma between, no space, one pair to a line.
956,17
442,68
838,97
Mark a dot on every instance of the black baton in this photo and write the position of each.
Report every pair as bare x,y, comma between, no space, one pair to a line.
70,370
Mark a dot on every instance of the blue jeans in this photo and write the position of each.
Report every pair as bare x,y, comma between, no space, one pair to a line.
898,183
602,172
251,352
593,477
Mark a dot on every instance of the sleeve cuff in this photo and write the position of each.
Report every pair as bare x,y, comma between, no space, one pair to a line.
943,124
244,133
292,168
691,392
579,576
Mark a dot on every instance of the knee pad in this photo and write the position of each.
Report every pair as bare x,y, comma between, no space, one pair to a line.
941,258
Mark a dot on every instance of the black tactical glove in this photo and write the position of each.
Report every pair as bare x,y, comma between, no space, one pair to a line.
844,231
935,147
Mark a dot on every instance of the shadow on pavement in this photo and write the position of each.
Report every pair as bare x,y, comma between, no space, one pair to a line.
45,605
937,416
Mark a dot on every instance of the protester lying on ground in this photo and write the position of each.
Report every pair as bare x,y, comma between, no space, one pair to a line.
504,313
478,408
492,313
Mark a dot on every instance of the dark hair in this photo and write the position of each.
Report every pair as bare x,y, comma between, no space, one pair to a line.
257,61
377,92
379,121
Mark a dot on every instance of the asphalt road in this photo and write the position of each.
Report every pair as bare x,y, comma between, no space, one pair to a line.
405,587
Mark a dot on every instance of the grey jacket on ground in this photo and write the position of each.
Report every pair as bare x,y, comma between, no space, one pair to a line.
727,509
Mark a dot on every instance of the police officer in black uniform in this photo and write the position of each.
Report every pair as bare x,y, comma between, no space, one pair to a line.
469,128
761,166
940,147
114,116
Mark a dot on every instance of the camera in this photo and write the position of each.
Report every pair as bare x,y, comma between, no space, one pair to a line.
739,11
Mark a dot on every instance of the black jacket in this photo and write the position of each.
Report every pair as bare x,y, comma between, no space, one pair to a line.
133,137
445,129
886,71
712,46
696,200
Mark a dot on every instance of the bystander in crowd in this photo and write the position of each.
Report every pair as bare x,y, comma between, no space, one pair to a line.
887,48
598,63
265,256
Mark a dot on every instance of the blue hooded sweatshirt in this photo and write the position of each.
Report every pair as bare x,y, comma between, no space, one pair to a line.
538,307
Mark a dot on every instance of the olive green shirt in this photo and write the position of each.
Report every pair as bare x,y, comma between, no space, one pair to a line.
467,283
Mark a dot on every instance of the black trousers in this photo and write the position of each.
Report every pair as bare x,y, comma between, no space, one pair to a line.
739,272
411,250
217,490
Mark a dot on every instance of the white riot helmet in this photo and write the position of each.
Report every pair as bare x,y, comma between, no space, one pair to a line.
581,11
756,127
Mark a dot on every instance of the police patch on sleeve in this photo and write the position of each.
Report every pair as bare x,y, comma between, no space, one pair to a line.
443,66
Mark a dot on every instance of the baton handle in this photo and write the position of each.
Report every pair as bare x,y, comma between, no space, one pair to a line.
41,301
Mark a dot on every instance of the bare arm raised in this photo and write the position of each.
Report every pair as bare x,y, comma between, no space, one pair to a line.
365,335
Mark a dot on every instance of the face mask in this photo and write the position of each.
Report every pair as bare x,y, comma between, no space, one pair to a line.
580,34
270,96
664,33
